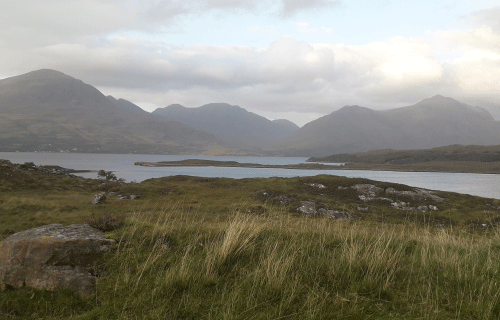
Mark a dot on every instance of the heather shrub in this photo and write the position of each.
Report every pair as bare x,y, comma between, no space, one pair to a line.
106,222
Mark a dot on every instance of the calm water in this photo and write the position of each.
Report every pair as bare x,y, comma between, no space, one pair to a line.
485,185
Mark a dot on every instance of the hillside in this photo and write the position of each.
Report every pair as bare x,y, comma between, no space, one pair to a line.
455,158
454,153
433,122
46,110
237,126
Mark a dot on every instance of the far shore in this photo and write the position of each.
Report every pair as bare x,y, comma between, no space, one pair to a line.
432,166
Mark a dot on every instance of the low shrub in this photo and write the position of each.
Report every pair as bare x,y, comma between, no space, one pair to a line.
106,222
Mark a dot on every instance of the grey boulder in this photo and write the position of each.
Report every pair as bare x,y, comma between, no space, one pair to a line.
52,256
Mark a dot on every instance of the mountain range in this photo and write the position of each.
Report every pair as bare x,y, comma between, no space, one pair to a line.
433,122
231,123
46,110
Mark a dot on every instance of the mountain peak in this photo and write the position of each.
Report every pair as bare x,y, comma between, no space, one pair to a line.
221,107
176,106
45,74
439,99
38,76
354,109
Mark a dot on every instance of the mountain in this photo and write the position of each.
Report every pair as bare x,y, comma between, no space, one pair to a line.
127,106
237,126
46,110
433,122
286,126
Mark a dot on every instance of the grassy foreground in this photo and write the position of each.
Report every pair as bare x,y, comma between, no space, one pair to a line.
194,248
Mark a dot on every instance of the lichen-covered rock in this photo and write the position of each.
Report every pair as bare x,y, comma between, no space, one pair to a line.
99,198
52,256
368,189
417,194
399,204
317,185
338,215
307,207
422,208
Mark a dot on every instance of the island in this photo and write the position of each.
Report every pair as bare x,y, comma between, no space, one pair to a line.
230,164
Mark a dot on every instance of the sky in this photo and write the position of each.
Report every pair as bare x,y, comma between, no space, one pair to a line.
282,59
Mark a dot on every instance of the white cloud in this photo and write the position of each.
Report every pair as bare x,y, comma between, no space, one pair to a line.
286,76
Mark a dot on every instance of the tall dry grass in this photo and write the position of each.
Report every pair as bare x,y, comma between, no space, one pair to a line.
177,264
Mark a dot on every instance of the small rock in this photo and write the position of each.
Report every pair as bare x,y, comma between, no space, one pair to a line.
365,198
337,215
417,194
134,196
316,185
307,207
422,208
284,200
368,189
99,198
363,209
433,208
399,204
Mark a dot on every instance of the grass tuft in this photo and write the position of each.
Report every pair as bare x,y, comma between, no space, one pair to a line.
106,222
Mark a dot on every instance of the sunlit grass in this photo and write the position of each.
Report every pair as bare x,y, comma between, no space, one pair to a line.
167,266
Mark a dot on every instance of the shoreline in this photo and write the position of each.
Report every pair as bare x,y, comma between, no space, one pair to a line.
444,167
235,164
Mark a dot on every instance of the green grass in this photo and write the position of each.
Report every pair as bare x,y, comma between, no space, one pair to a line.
173,264
206,248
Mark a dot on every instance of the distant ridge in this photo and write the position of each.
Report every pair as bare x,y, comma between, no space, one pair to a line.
237,126
433,122
46,110
127,106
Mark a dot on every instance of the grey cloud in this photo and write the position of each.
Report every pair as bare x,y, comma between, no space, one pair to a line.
292,7
49,22
489,17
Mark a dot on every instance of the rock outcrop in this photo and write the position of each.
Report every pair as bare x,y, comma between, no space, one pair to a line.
99,198
309,208
417,194
369,192
52,256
